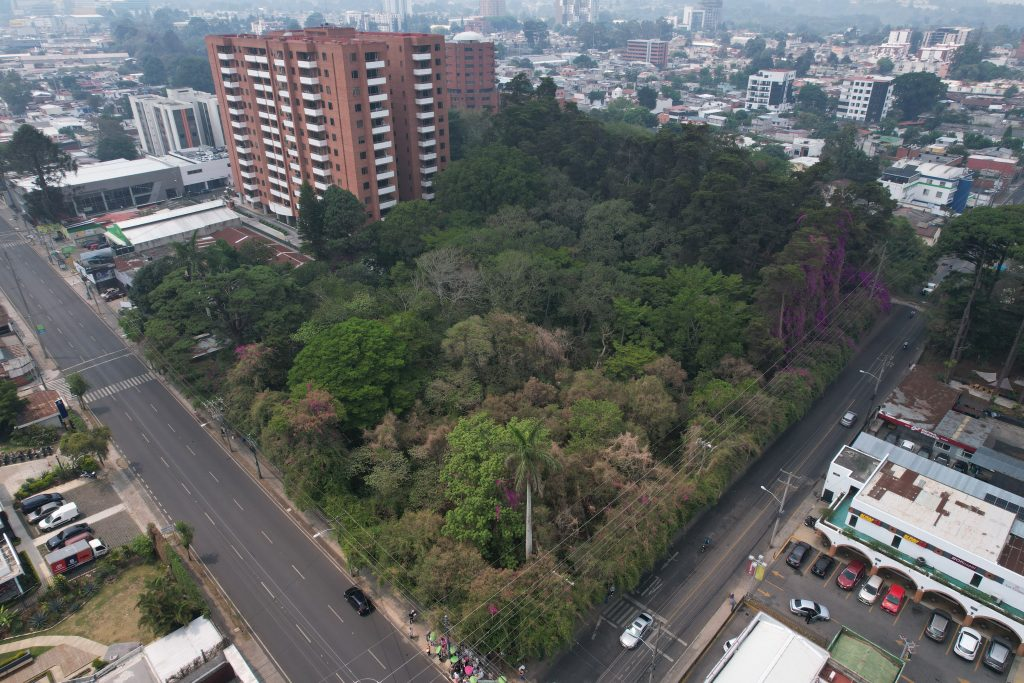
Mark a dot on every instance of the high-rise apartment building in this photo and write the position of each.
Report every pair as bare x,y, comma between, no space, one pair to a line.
184,119
402,8
649,51
897,46
693,18
770,89
712,15
955,36
492,8
331,106
865,98
469,72
570,12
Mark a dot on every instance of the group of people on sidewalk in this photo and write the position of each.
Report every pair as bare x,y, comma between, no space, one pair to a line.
464,667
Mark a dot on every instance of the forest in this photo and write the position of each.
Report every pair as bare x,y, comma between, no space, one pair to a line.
511,398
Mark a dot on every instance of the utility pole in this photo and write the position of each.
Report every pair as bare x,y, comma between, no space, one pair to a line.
654,652
28,314
782,505
908,648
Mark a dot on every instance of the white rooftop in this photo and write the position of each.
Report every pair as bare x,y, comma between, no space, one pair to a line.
164,224
770,652
934,170
168,655
956,518
104,170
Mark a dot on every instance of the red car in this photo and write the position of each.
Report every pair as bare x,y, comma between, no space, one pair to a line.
849,577
894,598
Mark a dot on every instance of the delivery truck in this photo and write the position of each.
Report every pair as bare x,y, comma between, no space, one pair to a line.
75,554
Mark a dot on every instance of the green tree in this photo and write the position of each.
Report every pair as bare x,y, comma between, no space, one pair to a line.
917,93
186,532
170,600
10,407
154,71
344,217
192,72
531,456
359,362
647,97
114,142
311,221
78,387
584,61
812,98
518,89
30,152
314,19
15,92
85,443
885,66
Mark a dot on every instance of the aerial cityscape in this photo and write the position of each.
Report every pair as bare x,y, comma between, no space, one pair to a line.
573,341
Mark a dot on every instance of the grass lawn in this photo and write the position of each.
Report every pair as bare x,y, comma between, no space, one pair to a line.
110,616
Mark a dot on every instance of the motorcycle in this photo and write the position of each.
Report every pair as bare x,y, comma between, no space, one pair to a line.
810,521
705,545
906,345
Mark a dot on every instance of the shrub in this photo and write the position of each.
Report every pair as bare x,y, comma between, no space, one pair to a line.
87,464
142,547
98,663
37,621
51,478
34,436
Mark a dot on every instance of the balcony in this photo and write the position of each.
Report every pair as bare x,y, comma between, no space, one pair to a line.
256,59
251,187
385,190
268,116
239,125
422,86
386,175
425,129
296,180
236,112
422,72
376,81
380,97
379,64
279,62
284,95
319,158
276,169
268,129
424,115
297,193
225,53
428,143
263,88
233,98
280,209
428,156
279,194
379,113
316,128
312,96
258,73
294,166
305,65
428,170
321,186
231,85
426,182
421,56
274,155
313,112
384,160
317,142
293,152
288,123
290,138
424,100
380,130
309,80
286,108
428,195
241,138
249,175
229,71
382,145
245,161
384,206
265,102
322,172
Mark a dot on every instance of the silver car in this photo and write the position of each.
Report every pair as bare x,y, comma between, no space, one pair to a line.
632,636
848,418
810,610
967,643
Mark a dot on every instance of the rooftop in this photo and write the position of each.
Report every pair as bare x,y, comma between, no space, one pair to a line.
104,170
770,652
920,399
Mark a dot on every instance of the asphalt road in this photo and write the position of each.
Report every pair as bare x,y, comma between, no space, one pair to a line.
687,587
288,590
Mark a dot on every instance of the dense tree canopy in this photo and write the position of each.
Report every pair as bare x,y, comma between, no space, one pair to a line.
917,93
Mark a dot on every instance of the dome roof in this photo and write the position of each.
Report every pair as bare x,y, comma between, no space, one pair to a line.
467,36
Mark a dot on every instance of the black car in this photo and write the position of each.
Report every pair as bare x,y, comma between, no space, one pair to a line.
939,626
57,541
798,555
823,566
360,603
998,655
33,503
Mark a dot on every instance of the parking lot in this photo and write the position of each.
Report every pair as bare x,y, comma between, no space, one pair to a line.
930,660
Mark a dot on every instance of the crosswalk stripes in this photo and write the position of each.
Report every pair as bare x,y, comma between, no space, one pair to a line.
114,388
12,242
60,385
620,613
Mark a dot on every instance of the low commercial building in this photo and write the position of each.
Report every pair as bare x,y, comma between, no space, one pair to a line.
172,225
933,187
770,89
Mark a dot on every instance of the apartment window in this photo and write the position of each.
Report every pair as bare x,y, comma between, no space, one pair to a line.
330,106
366,186
331,119
437,77
437,62
362,155
359,123
354,57
334,137
361,140
323,56
976,580
327,73
896,541
337,167
365,170
355,92
355,74
438,91
437,47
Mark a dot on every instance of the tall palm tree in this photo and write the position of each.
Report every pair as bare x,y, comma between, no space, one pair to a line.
529,460
188,255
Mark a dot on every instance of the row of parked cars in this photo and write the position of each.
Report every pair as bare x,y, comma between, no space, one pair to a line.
968,643
49,511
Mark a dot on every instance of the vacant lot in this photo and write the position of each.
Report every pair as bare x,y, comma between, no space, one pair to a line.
111,616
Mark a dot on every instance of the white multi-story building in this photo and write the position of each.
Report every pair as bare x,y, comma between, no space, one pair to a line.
693,18
185,119
897,46
865,98
935,188
770,89
943,532
570,12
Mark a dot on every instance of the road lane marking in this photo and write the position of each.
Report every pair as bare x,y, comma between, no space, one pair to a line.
237,553
186,488
213,522
129,417
214,477
265,536
192,451
238,504
335,614
304,634
378,661
298,572
172,428
93,338
154,408
266,589
162,460
143,435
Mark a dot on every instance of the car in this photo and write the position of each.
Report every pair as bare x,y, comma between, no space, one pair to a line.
111,294
797,555
849,417
33,503
822,566
851,575
893,600
870,590
58,539
938,625
41,513
360,603
997,655
808,609
928,288
632,636
967,644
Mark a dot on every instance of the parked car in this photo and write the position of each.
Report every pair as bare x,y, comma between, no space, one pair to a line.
997,655
968,642
632,636
33,503
41,513
111,294
848,418
360,603
798,555
893,600
59,539
65,514
809,609
851,575
822,566
869,591
938,626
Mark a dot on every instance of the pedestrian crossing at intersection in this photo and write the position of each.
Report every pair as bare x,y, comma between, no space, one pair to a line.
116,387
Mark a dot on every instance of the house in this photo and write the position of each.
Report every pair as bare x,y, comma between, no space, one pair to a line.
936,188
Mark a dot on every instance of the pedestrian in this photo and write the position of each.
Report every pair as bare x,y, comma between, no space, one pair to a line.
522,672
732,601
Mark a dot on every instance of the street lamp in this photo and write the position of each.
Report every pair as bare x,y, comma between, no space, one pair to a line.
782,504
878,380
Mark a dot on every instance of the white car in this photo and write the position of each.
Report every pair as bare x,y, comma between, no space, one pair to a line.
869,591
632,636
967,643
